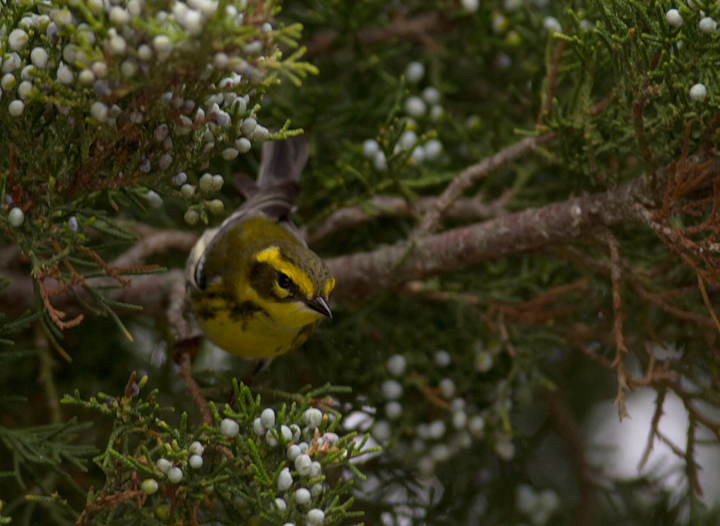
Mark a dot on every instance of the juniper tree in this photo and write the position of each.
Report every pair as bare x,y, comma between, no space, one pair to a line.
519,204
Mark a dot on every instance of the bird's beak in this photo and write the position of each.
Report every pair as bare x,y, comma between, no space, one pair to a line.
320,305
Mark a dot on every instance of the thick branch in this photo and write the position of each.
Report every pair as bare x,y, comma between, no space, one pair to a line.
363,274
390,268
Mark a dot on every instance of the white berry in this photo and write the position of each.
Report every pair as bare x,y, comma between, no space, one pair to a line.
381,431
271,438
396,364
415,107
698,92
293,452
447,387
436,429
216,206
379,162
267,417
175,475
707,25
391,390
317,489
302,496
18,39
196,448
414,72
228,426
470,5
442,358
64,74
153,199
312,417
476,426
315,516
393,410
163,465
16,107
303,464
16,217
39,57
551,25
149,486
370,148
196,461
433,149
674,18
284,480
243,145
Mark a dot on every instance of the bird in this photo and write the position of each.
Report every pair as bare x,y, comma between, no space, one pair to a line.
255,288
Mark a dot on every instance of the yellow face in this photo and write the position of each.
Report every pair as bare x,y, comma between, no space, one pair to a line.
295,276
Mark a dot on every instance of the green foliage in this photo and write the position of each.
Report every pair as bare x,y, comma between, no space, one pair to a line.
238,477
135,98
466,434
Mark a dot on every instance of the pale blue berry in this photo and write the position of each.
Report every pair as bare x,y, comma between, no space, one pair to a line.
228,426
302,496
175,475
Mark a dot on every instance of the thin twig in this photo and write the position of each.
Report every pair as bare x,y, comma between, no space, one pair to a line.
659,401
551,82
472,209
620,348
431,219
193,389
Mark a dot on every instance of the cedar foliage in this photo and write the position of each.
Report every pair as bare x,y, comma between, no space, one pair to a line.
502,362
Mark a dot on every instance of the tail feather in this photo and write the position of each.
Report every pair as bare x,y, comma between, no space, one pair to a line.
282,161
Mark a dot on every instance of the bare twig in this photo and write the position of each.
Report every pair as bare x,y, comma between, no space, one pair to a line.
431,219
419,28
193,389
472,209
155,243
620,348
659,401
551,82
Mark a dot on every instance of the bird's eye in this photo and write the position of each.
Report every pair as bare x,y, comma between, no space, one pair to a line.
283,281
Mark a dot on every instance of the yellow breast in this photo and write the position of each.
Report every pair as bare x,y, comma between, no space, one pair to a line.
256,328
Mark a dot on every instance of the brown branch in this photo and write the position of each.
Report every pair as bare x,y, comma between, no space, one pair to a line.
691,469
552,80
657,415
419,28
363,274
712,426
193,389
431,219
620,348
385,206
155,243
599,267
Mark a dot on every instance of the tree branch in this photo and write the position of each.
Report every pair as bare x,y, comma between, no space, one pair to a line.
389,268
472,209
